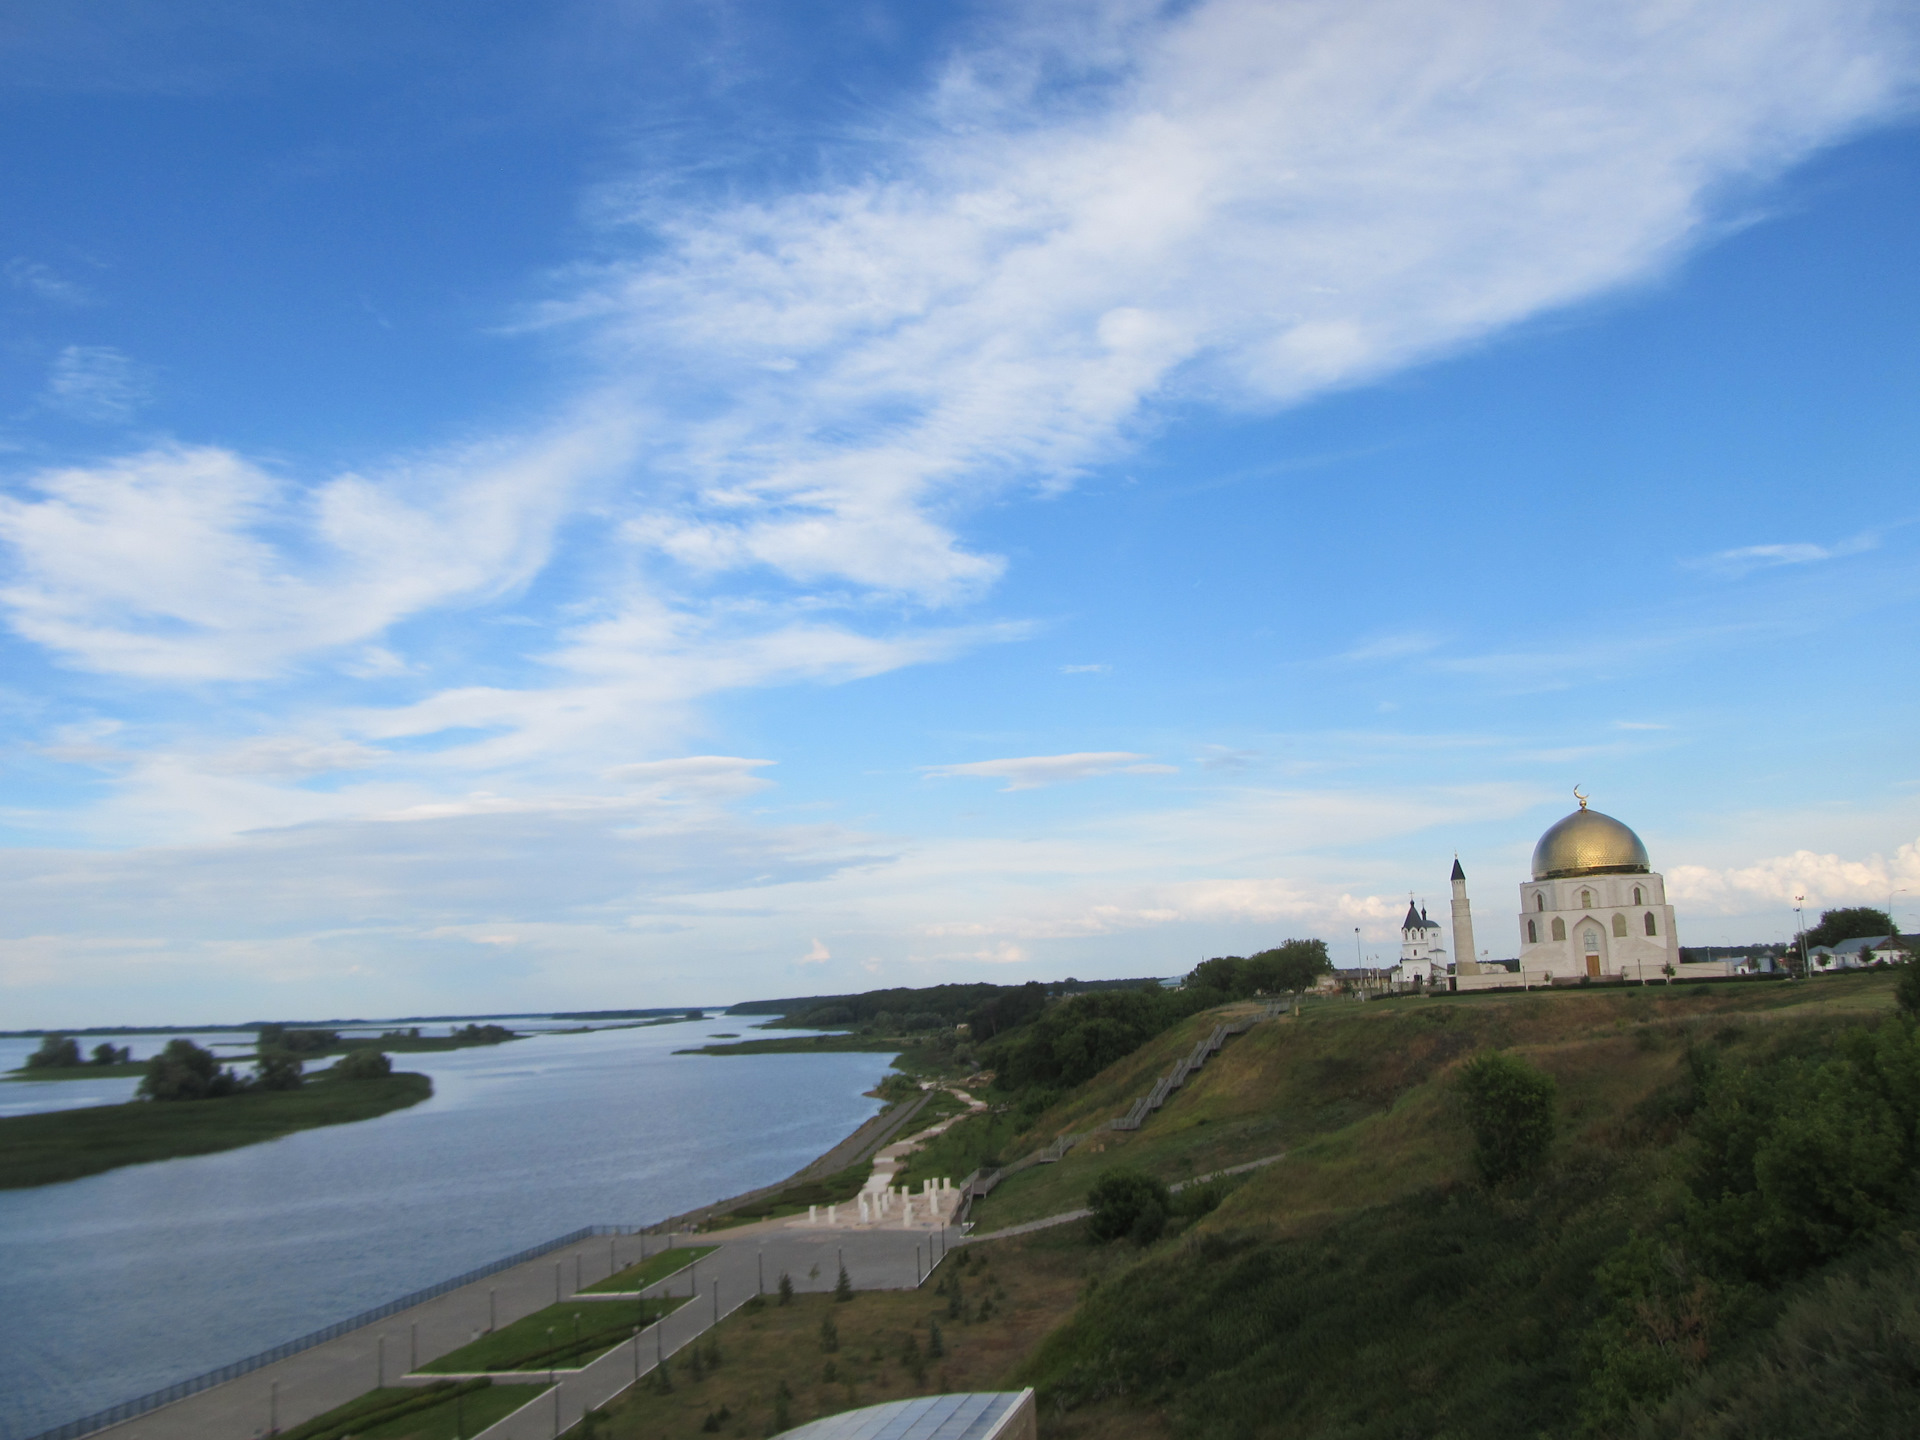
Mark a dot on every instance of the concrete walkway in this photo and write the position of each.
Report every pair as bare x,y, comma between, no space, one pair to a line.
316,1380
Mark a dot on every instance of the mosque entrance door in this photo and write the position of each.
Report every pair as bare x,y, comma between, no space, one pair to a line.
1592,938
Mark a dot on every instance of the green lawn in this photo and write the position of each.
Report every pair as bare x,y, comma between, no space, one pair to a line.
66,1144
582,1331
650,1271
441,1411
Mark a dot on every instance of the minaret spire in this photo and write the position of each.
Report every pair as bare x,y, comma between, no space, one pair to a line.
1465,958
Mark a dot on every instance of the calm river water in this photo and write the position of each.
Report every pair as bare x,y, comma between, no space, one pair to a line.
122,1283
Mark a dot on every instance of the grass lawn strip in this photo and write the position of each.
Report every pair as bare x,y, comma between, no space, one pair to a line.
1011,1293
524,1346
446,1410
650,1271
67,1144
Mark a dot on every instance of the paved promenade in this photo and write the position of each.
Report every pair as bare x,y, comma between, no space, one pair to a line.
316,1380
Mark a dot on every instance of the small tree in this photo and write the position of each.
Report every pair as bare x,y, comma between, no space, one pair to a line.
363,1065
843,1287
183,1071
56,1052
1130,1203
112,1054
936,1345
786,1289
1510,1106
277,1070
829,1335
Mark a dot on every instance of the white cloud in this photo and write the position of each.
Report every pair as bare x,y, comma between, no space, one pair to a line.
98,384
193,563
1086,669
1826,880
1030,772
1749,558
1238,201
44,282
818,955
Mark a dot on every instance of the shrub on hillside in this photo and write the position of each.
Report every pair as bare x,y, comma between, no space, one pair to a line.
363,1065
1075,1040
1510,1107
1906,986
1802,1159
183,1071
1127,1203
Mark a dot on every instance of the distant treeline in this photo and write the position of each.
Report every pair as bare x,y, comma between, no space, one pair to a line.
926,1008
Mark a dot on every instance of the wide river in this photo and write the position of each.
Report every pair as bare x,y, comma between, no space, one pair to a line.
122,1283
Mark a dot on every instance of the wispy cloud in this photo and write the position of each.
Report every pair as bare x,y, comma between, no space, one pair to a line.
45,283
98,384
1748,558
1030,772
1086,669
1393,647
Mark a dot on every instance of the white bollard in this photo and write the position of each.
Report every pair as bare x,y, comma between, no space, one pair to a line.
833,1214
813,1214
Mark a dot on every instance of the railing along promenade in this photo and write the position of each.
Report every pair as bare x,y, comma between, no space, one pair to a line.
129,1409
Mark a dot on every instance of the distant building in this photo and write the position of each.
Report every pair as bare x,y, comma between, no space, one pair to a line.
1422,958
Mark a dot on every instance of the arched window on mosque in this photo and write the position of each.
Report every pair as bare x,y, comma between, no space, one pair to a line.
1636,896
1652,928
1533,933
1539,900
1586,899
1620,926
1559,928
1593,941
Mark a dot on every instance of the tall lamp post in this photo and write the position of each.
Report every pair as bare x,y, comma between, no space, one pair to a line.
1800,924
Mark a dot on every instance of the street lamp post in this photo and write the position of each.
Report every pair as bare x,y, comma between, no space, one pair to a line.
1800,924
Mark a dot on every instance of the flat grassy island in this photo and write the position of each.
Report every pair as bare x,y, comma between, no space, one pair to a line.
67,1144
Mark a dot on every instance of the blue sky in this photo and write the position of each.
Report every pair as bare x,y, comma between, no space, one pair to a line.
607,504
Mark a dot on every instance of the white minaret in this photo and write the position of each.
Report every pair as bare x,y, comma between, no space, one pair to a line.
1464,955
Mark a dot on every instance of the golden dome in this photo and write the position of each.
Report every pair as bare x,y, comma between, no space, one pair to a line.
1588,843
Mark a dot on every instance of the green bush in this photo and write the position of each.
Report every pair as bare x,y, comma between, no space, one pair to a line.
362,1065
1510,1107
56,1052
183,1071
1127,1203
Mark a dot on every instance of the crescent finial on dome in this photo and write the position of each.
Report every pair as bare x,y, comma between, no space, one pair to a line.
1581,798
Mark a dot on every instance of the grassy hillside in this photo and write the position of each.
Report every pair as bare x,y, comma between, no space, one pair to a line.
1370,1286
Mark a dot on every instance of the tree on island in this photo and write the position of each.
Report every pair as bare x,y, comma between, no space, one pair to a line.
56,1052
183,1071
104,1054
362,1065
277,1070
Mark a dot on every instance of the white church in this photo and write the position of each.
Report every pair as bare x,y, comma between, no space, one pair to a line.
1595,909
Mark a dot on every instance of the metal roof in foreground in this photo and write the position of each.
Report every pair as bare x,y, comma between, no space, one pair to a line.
971,1416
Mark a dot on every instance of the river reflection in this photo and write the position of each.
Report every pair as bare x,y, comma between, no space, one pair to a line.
146,1275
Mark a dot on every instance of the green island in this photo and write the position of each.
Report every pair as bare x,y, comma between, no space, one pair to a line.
650,1271
566,1336
58,1145
444,1410
803,1045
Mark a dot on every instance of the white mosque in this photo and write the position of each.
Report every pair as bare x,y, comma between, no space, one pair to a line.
1595,909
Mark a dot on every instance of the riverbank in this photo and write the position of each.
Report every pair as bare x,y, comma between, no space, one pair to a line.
58,1145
